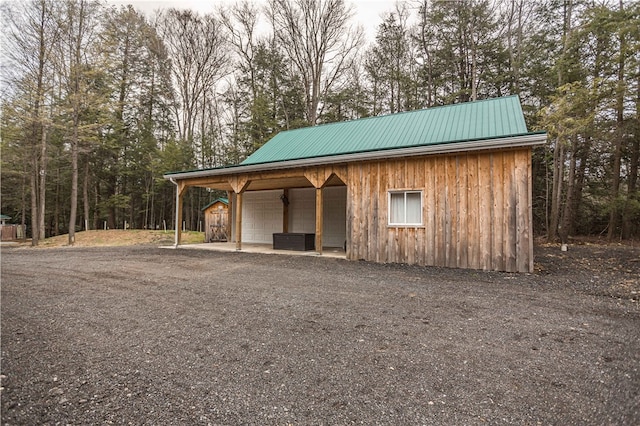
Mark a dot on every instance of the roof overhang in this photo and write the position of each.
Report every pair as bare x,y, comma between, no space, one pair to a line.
526,140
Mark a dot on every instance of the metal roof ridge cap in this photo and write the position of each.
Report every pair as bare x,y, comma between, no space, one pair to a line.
528,139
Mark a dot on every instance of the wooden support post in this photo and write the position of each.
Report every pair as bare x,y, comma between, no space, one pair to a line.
238,207
319,220
239,184
285,211
180,189
227,230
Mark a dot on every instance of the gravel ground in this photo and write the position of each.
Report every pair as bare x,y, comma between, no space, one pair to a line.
141,335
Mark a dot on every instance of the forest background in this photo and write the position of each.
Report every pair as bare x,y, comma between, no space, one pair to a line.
98,102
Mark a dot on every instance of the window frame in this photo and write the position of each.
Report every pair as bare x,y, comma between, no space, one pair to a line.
405,192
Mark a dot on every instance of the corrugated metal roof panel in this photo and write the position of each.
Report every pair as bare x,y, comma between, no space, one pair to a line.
491,118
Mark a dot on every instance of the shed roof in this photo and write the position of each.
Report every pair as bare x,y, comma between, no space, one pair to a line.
486,119
224,201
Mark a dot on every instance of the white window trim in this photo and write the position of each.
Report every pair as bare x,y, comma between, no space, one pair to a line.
405,192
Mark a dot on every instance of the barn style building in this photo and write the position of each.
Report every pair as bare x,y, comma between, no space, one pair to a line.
445,186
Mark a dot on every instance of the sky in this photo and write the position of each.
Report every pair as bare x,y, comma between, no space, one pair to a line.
368,12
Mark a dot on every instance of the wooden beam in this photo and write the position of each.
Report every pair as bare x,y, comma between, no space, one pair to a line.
340,172
313,178
318,177
221,182
239,183
319,220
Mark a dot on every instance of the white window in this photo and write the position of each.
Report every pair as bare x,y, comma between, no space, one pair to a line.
405,207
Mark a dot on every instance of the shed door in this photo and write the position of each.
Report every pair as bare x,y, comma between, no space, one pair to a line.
261,216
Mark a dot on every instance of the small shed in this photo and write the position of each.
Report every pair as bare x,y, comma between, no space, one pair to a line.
10,232
216,220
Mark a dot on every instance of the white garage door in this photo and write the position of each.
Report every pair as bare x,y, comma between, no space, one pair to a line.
261,216
302,213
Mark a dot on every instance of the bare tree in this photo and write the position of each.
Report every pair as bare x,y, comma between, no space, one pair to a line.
559,148
78,77
241,22
197,47
320,43
516,14
32,34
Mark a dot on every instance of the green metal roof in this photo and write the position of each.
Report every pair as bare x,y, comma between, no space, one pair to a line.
222,200
487,119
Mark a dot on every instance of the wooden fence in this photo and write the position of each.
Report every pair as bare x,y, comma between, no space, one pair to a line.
11,232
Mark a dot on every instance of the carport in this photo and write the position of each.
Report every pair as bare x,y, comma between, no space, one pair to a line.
268,199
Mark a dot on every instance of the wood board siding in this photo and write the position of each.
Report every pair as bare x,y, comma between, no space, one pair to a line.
476,211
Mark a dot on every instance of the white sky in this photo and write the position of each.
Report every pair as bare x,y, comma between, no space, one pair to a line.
368,12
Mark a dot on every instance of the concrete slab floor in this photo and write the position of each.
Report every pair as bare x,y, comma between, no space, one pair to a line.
333,252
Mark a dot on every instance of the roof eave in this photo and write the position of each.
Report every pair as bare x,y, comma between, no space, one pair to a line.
529,139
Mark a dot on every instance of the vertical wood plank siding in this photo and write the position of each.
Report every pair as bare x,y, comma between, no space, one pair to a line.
476,211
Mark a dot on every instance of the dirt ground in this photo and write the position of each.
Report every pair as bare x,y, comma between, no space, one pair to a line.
142,335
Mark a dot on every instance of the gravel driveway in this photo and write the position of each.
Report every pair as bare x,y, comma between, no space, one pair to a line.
141,335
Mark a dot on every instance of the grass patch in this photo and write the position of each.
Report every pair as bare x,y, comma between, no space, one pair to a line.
119,237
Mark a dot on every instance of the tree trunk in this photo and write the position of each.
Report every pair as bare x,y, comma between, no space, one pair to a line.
568,215
630,225
558,152
580,175
97,212
56,209
75,62
74,181
39,161
23,204
85,196
556,191
43,187
614,216
35,233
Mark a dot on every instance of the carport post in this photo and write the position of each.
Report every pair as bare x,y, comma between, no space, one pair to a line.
179,193
239,184
238,207
319,220
178,214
